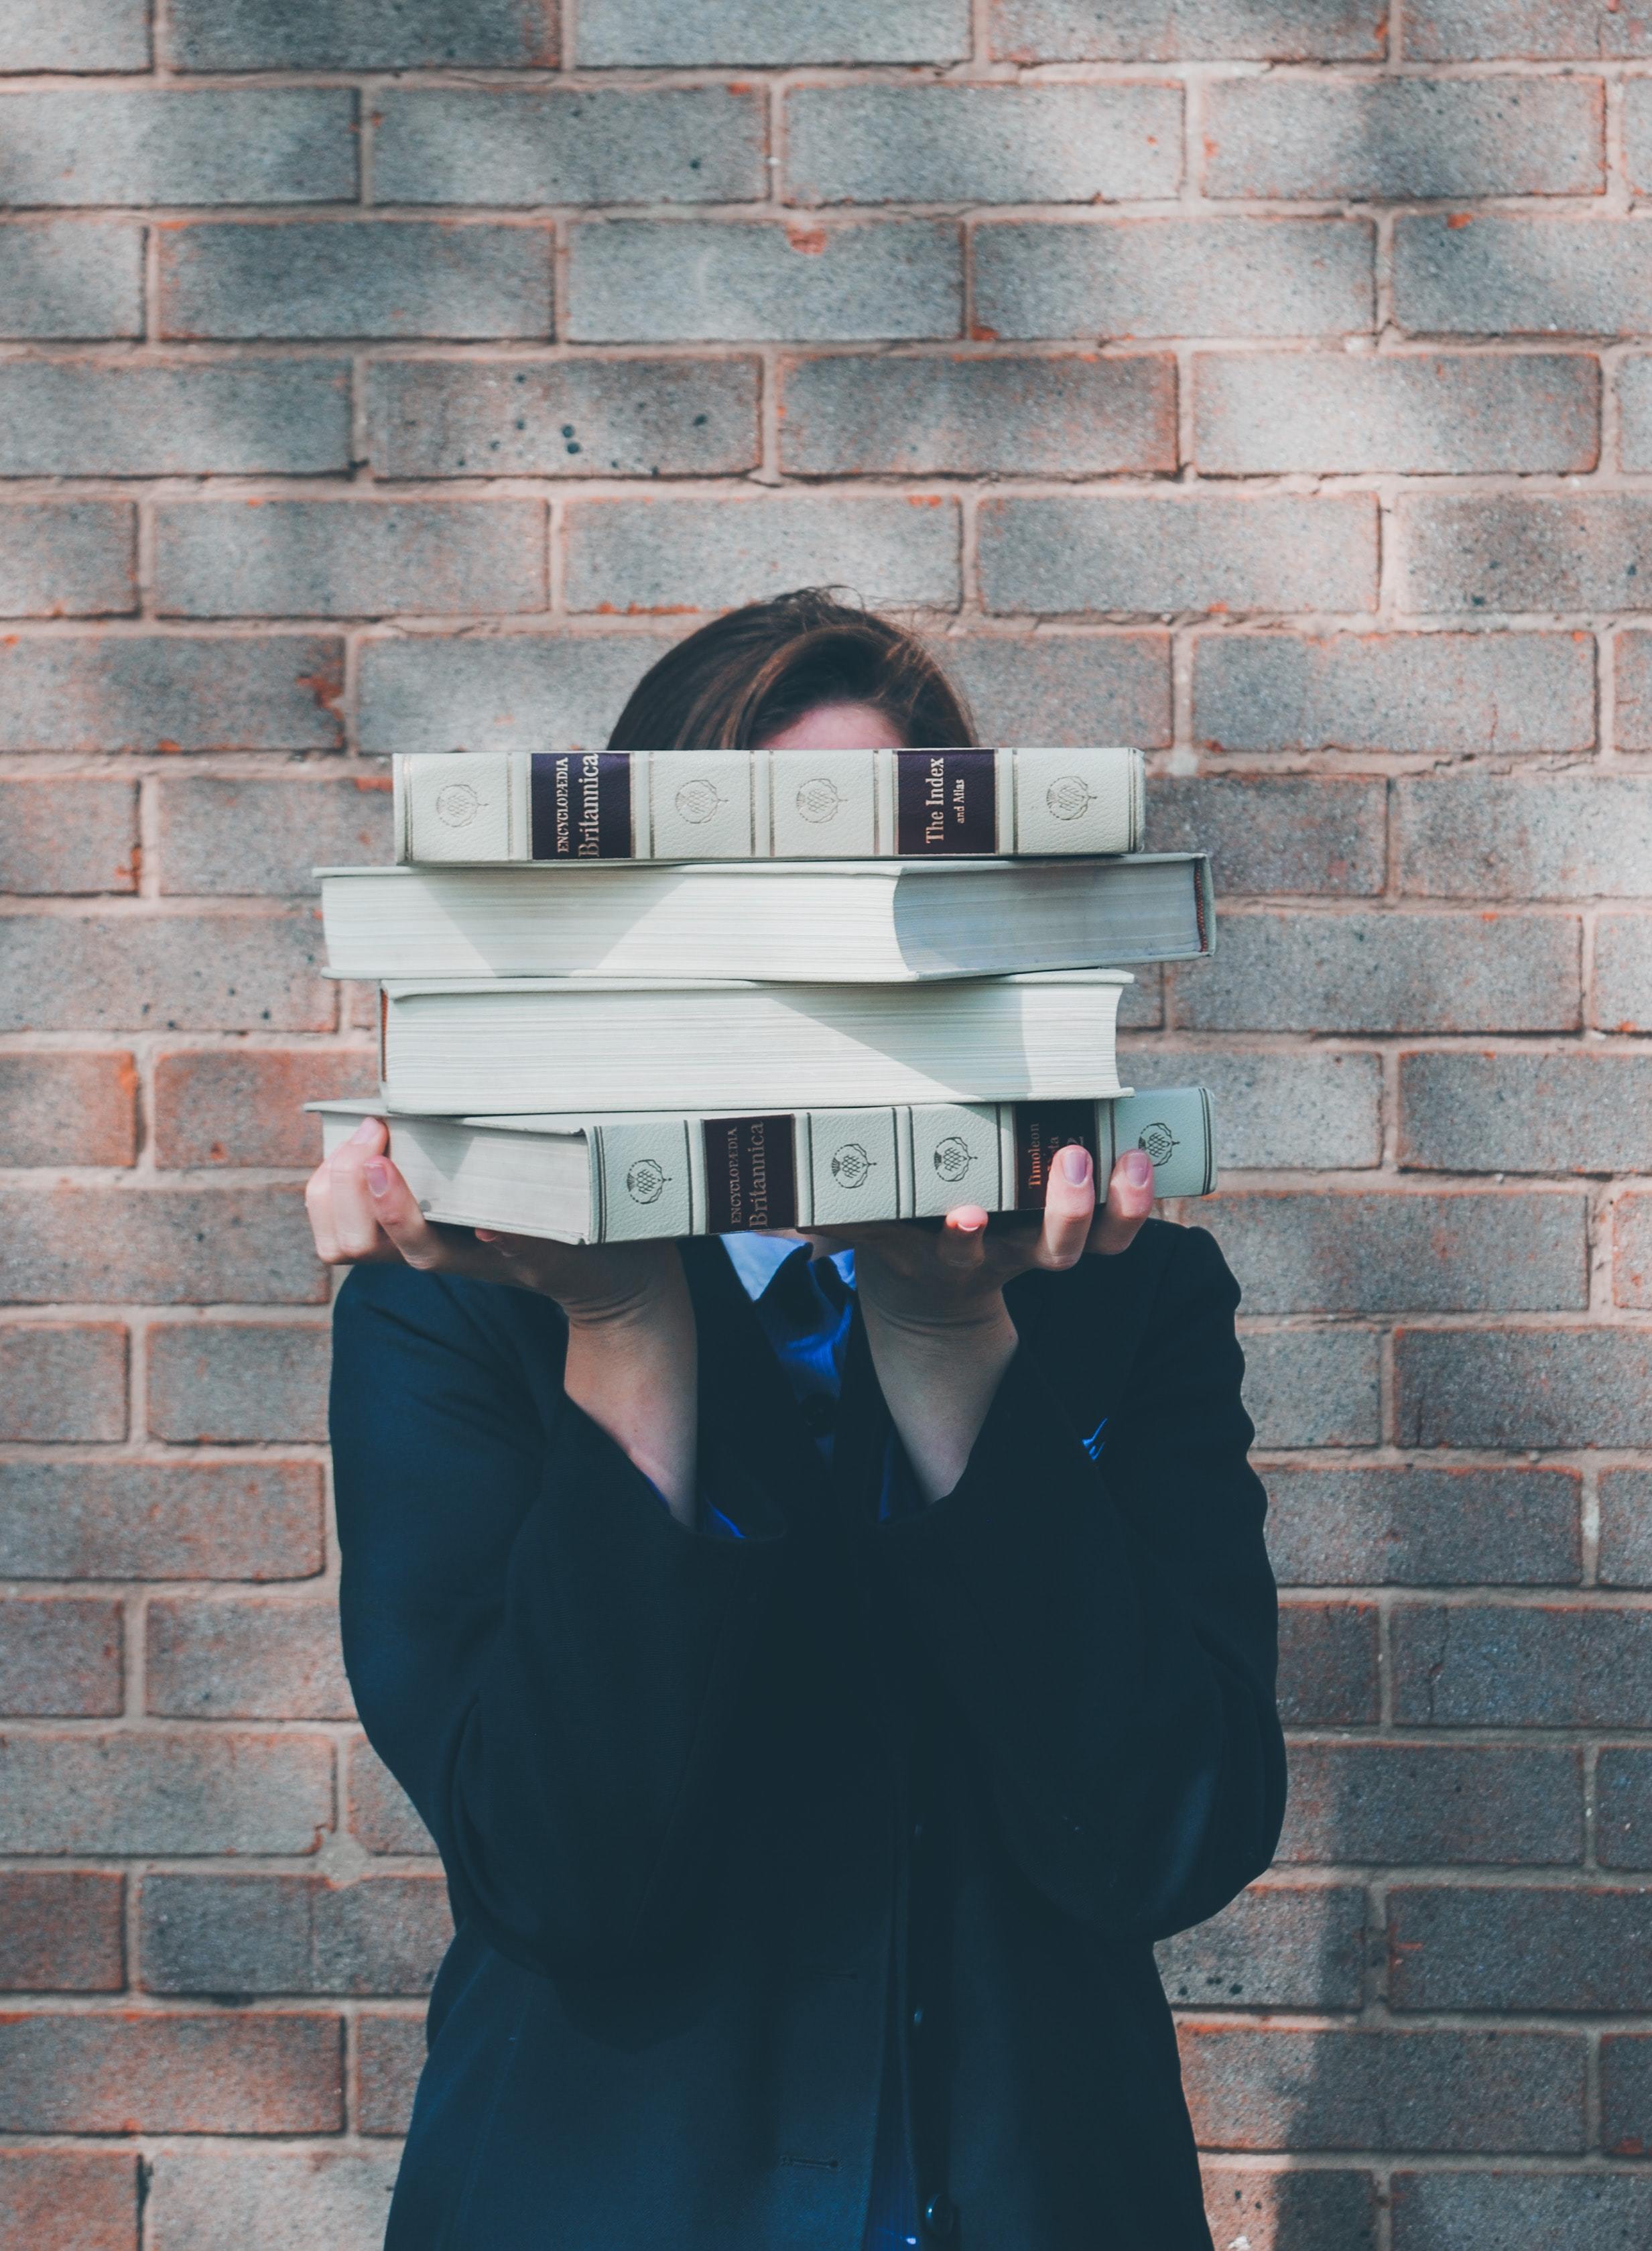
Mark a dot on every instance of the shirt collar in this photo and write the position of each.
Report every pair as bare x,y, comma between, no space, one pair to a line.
757,1258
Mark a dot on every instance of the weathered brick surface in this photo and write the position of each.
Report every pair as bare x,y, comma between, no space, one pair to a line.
976,416
1440,413
177,1519
1228,378
1421,1526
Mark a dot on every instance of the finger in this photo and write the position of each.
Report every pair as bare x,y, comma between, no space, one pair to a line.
396,1212
318,1205
355,1222
1130,1200
1070,1206
961,1243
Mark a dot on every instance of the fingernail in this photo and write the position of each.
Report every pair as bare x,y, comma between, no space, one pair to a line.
966,1226
377,1174
366,1130
1139,1168
1075,1164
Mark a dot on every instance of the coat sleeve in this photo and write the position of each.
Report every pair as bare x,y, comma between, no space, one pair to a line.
542,1654
1108,1628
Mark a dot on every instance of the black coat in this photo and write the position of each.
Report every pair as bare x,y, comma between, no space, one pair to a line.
694,1796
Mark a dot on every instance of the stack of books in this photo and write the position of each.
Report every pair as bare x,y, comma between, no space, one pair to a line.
653,993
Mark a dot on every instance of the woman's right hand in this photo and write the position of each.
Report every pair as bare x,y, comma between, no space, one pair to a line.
361,1209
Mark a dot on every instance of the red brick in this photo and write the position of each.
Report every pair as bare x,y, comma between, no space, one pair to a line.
176,1520
227,1106
60,1381
60,1932
390,2055
1432,1803
1328,1661
382,1816
232,1383
161,1246
60,1657
246,1658
68,1106
69,2199
139,2072
68,836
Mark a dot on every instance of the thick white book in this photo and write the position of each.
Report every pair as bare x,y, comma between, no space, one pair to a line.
562,807
459,1048
854,920
631,1178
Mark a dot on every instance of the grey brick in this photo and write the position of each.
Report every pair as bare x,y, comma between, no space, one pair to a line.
521,691
178,146
389,2055
67,558
1329,1664
137,1519
181,972
1398,137
1142,1008
320,35
1173,277
1485,2211
349,557
249,837
1316,1111
62,1381
68,1106
1622,973
71,277
246,1657
1502,275
88,419
1173,30
975,417
701,144
1290,834
1507,551
1443,413
181,1792
1634,412
1423,1528
1427,1804
66,836
1459,693
149,692
201,2198
382,1816
1295,971
661,31
1559,836
1626,1528
1623,1809
1288,2207
1064,687
1626,2101
239,1105
60,1658
1524,1947
982,144
1635,690
1267,551
563,418
1278,1946
1525,1388
159,1246
1524,1114
229,1382
1312,1388
659,281
291,1934
371,277
1637,133
1383,1250
1550,1666
1266,2087
1631,1222
667,554
75,35
1543,30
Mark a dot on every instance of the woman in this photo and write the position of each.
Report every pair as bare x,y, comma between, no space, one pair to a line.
825,1675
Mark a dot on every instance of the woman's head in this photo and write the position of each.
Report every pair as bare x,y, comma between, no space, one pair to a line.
804,669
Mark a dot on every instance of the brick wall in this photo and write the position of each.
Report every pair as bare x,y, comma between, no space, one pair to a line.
1253,379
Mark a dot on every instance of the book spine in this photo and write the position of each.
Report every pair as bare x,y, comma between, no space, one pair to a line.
548,806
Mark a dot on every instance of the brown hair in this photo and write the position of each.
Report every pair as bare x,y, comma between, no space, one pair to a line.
747,675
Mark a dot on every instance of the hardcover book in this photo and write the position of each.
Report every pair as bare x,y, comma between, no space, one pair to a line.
562,807
858,920
631,1178
456,1048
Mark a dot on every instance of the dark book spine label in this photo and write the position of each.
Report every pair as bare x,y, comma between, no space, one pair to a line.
580,805
1041,1128
751,1173
945,801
